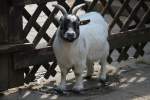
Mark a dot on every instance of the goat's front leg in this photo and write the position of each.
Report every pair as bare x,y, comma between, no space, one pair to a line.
62,85
78,70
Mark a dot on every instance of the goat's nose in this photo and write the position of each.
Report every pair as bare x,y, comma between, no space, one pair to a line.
70,34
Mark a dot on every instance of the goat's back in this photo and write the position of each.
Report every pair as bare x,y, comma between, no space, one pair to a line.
96,28
95,35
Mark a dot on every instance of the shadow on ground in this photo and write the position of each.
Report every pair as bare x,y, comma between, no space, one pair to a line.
134,85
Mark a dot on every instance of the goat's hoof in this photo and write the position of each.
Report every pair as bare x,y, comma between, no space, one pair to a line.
60,91
104,82
76,91
88,77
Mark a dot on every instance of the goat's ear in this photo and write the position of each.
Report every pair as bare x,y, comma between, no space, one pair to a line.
84,22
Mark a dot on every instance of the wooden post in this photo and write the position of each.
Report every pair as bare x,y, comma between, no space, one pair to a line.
10,34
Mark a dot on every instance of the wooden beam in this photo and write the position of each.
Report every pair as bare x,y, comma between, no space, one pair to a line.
33,57
130,37
11,48
27,2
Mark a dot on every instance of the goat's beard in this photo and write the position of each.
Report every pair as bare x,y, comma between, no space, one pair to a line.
68,39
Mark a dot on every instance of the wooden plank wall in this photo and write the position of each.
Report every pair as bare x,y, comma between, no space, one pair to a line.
10,36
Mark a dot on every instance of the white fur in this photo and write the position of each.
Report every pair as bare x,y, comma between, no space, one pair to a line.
91,46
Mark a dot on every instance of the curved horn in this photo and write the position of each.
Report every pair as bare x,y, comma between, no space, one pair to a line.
61,8
76,8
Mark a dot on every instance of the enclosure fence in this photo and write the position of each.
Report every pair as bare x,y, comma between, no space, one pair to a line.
22,34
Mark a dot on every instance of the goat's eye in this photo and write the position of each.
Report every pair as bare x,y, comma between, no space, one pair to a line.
61,28
77,27
74,23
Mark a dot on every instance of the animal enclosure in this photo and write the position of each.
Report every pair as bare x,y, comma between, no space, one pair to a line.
21,34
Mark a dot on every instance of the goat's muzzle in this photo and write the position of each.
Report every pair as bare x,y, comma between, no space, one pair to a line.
70,37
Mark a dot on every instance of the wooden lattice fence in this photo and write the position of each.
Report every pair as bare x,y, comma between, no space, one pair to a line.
129,26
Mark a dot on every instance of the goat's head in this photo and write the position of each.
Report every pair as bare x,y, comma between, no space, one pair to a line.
69,23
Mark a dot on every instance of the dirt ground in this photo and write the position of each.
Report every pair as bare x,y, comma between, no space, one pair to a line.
133,84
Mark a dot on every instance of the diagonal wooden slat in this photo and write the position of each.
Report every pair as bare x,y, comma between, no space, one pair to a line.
123,54
111,12
132,14
31,76
35,25
92,5
129,9
51,70
45,27
143,19
32,20
106,6
48,12
145,7
117,15
139,49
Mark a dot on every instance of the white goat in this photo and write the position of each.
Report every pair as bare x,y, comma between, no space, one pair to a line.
80,48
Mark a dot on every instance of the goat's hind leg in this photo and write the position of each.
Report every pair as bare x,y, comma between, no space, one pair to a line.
90,69
103,73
